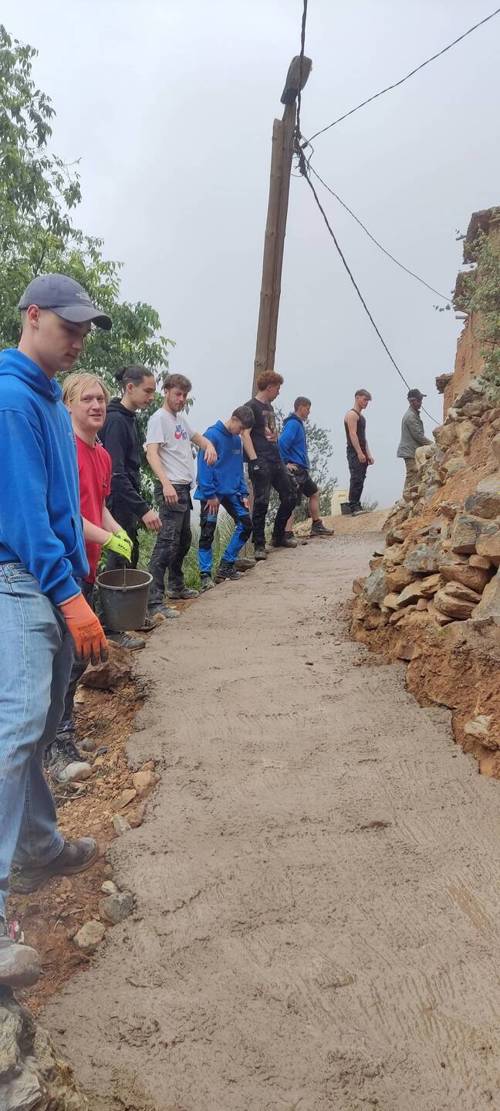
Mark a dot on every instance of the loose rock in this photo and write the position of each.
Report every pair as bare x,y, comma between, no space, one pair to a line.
90,935
144,781
116,907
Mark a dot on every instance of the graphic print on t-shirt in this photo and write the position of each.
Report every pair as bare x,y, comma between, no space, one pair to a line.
180,432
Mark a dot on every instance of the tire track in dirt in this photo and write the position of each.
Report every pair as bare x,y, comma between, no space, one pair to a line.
317,895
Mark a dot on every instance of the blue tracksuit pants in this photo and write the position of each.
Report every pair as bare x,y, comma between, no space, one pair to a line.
233,504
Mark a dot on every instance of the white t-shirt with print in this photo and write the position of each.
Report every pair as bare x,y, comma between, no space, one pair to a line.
174,435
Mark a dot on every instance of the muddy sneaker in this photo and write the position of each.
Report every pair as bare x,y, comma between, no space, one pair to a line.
75,857
227,572
284,542
163,610
320,529
127,640
260,553
19,964
180,593
244,564
206,583
63,761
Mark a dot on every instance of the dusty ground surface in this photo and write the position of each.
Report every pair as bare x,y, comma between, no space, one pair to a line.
316,879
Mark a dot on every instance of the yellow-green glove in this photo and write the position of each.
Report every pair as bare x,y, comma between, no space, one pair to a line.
119,543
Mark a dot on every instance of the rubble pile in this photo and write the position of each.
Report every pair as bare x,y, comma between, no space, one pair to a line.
432,597
31,1075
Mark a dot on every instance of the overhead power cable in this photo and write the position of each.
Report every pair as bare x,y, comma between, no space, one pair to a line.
376,241
304,171
396,84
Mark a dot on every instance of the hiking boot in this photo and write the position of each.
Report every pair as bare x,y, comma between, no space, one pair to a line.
227,572
320,529
182,592
244,564
206,583
63,761
284,542
76,856
127,640
19,964
162,610
260,553
150,622
355,509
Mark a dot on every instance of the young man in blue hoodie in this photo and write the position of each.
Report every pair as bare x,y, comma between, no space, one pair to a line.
293,450
44,617
224,484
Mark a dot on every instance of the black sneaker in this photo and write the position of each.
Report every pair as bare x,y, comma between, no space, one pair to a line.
19,964
284,542
162,610
227,572
206,583
244,564
355,509
320,529
63,761
76,856
181,593
260,553
127,640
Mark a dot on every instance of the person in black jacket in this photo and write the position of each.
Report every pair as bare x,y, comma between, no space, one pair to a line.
120,437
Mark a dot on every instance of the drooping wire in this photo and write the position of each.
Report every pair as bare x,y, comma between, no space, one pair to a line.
304,171
372,237
396,84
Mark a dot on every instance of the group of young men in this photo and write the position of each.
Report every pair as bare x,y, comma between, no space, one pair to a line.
61,508
72,489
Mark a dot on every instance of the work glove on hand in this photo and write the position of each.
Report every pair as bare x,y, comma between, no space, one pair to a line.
119,543
86,630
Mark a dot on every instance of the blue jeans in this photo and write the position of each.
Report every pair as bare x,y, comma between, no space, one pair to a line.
36,665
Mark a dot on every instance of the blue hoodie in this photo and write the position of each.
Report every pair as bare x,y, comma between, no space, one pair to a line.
293,443
226,476
40,521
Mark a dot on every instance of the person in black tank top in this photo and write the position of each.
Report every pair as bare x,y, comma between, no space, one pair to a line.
358,452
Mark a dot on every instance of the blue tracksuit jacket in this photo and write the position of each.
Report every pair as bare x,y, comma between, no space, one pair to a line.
293,442
226,476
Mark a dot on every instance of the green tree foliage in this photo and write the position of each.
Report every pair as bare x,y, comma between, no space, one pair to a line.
38,196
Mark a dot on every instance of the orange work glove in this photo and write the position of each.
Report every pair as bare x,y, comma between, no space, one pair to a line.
86,629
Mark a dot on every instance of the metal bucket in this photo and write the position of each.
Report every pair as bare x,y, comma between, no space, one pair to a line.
124,598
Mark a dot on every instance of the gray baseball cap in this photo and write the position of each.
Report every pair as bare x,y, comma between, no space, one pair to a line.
66,298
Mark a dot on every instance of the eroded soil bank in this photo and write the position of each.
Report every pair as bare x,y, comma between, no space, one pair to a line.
316,877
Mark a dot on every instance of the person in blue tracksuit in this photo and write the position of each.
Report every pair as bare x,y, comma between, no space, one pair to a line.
224,484
292,444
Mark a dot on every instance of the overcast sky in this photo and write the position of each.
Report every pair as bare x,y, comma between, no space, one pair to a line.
169,104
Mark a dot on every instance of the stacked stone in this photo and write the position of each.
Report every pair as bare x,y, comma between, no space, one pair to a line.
30,1074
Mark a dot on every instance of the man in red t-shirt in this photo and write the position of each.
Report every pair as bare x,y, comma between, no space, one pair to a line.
86,398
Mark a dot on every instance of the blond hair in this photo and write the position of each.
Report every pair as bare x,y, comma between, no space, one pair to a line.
75,384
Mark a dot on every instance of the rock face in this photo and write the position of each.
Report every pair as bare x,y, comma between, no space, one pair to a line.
31,1076
434,598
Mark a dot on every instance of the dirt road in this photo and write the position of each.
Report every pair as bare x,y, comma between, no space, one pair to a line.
318,891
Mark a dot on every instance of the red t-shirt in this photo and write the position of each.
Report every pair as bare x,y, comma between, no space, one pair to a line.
94,469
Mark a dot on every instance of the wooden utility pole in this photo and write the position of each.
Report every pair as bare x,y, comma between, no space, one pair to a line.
277,209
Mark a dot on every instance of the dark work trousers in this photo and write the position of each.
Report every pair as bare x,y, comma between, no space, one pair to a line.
233,504
271,473
172,544
358,475
66,724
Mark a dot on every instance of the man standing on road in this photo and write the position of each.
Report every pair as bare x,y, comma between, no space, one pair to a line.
44,617
224,484
168,449
412,437
266,468
293,451
358,452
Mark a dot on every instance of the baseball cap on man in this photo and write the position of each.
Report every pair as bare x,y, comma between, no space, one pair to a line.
67,298
415,395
